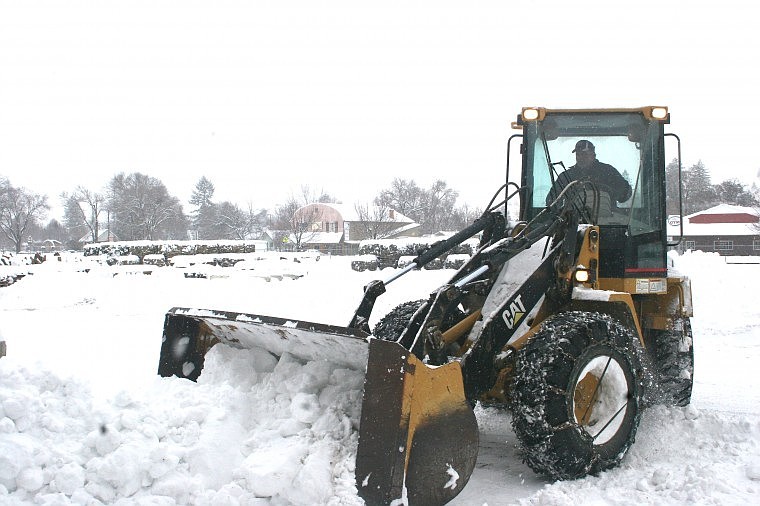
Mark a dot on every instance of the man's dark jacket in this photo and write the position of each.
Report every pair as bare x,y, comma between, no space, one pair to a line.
603,175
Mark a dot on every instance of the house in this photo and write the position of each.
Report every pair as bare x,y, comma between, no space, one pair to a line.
51,245
338,228
270,237
725,229
103,236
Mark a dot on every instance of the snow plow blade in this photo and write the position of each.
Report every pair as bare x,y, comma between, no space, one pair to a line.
190,333
418,437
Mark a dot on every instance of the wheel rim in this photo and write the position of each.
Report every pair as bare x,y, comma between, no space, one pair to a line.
600,398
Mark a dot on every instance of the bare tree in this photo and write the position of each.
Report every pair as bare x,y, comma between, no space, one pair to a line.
438,208
464,215
405,197
84,207
55,230
237,223
309,195
4,187
20,209
433,209
141,208
376,221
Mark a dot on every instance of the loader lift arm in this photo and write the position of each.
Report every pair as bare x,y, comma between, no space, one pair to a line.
558,222
376,288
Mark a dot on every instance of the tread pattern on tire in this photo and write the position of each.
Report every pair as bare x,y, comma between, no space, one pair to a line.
392,325
553,445
672,358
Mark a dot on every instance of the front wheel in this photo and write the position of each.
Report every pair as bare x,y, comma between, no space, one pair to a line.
576,395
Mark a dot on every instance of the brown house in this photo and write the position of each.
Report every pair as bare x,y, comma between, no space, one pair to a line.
725,229
338,228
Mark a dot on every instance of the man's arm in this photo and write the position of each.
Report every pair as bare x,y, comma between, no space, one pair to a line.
620,188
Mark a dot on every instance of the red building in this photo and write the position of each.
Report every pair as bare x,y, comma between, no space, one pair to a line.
725,229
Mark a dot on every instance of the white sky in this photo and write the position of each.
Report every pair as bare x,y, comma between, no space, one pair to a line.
263,97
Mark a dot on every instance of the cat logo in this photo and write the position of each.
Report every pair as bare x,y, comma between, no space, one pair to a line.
514,312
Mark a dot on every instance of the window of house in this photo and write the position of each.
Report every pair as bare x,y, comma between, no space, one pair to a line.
756,245
691,244
723,245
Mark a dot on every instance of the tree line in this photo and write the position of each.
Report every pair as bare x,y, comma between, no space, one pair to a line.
136,206
698,193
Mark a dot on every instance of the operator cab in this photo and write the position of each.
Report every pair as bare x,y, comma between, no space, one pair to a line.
633,232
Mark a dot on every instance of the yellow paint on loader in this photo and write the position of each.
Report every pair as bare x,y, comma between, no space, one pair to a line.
418,437
585,397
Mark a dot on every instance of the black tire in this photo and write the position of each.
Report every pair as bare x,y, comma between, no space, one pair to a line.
392,325
562,435
671,355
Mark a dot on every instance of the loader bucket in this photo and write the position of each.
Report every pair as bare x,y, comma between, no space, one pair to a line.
418,437
190,333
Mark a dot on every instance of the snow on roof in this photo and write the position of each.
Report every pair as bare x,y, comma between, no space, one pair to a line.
104,236
726,209
721,224
322,238
401,230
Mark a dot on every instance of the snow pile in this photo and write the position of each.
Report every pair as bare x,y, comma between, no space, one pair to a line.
253,427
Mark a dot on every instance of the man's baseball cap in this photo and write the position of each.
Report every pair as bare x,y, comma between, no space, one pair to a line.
583,146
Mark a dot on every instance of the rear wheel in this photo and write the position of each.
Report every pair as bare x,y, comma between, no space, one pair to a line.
672,357
393,324
576,395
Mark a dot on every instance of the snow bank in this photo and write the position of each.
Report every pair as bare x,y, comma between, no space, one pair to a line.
253,428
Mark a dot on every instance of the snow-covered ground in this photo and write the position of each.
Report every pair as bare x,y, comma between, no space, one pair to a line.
85,420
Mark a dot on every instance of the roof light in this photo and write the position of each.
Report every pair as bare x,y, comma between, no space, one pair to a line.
530,114
659,112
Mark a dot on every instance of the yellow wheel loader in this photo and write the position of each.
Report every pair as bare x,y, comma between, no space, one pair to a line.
568,317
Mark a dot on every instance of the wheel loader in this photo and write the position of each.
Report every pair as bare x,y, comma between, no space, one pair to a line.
567,317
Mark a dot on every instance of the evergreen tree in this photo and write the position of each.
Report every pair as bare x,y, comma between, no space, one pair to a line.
204,217
698,192
733,192
672,192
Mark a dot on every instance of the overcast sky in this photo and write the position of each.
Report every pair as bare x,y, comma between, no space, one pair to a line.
343,96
